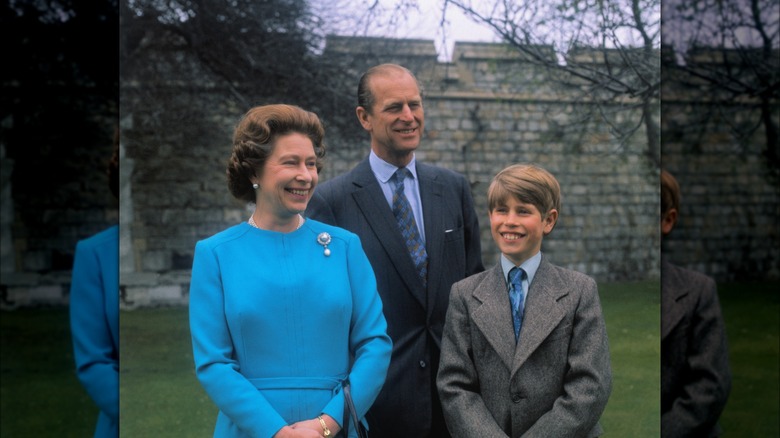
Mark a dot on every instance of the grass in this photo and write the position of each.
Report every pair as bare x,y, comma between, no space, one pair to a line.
632,312
161,397
752,315
40,395
159,393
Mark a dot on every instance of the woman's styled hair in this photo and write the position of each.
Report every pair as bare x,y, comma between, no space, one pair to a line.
254,139
529,184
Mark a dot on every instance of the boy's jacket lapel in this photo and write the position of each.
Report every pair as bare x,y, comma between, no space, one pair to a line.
673,290
543,312
498,331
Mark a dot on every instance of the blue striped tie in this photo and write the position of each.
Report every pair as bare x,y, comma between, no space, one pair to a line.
406,223
516,276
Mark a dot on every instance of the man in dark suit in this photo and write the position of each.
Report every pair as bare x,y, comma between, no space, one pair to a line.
695,376
415,266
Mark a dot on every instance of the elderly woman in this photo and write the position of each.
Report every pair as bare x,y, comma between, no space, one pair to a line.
283,309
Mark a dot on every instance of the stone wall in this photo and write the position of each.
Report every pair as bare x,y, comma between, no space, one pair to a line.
54,191
486,109
717,149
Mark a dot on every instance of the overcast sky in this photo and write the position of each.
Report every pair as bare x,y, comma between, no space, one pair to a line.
422,22
426,25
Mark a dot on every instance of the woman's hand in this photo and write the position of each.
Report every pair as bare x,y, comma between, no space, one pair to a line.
298,432
314,424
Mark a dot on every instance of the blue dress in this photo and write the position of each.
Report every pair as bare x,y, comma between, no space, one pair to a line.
276,325
94,321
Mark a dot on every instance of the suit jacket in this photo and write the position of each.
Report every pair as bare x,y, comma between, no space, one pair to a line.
408,403
554,382
94,321
695,376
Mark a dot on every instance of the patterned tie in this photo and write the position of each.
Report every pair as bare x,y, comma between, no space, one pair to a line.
406,223
516,276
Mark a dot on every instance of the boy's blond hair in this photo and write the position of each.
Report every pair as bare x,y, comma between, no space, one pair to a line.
528,183
670,192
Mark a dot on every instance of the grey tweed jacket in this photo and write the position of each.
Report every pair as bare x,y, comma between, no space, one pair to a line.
695,374
555,382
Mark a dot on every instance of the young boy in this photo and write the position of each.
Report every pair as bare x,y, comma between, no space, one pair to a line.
551,377
695,374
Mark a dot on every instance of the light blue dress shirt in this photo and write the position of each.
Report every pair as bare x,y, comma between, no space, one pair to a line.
384,171
529,266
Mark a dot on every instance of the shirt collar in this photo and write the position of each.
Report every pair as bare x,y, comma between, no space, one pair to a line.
384,170
530,266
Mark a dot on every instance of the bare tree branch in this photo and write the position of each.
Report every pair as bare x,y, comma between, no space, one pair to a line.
609,49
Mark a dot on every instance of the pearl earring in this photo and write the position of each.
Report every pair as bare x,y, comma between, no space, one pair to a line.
255,186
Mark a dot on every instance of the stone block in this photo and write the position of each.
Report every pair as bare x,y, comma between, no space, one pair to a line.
168,294
32,296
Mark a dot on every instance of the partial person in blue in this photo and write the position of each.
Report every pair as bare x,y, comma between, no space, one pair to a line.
283,308
94,315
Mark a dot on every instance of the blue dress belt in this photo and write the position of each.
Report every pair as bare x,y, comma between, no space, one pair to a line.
329,383
325,383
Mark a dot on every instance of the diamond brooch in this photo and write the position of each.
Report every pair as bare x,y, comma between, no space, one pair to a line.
324,240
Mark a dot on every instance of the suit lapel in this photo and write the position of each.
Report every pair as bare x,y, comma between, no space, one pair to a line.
371,201
672,291
488,316
431,198
543,312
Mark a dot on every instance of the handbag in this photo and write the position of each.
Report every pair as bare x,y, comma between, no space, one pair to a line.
350,413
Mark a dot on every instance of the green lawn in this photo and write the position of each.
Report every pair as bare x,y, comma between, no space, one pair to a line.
160,338
161,397
752,315
40,395
159,393
632,312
